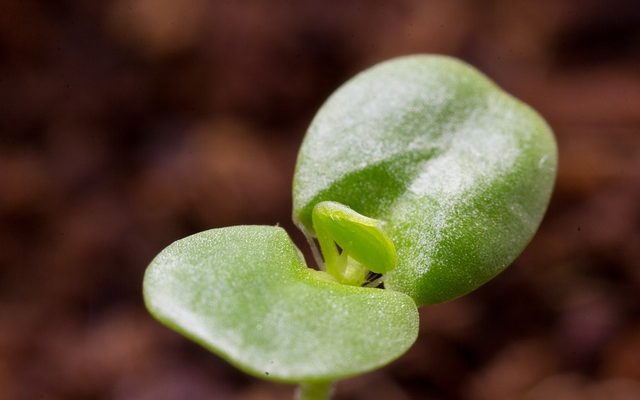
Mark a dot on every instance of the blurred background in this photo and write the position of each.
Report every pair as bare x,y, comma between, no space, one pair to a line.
127,124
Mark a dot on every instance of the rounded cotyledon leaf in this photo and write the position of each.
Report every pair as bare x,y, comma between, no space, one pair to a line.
246,294
460,171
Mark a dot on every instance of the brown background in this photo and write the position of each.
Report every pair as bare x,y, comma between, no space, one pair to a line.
125,125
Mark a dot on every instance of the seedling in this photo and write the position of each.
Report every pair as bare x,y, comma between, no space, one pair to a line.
420,180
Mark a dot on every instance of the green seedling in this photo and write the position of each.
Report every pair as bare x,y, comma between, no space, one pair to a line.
420,180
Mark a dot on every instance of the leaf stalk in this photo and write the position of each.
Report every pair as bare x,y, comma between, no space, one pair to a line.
315,391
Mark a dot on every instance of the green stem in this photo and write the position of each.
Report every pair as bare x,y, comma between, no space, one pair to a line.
333,262
315,391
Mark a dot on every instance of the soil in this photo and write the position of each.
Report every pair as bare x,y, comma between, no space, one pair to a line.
126,125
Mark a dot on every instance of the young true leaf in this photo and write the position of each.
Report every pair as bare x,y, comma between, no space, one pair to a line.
359,237
246,294
460,171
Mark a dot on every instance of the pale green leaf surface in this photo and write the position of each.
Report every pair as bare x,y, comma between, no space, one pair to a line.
459,170
245,293
362,237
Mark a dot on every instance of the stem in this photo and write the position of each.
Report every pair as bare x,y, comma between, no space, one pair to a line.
337,264
315,391
333,263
